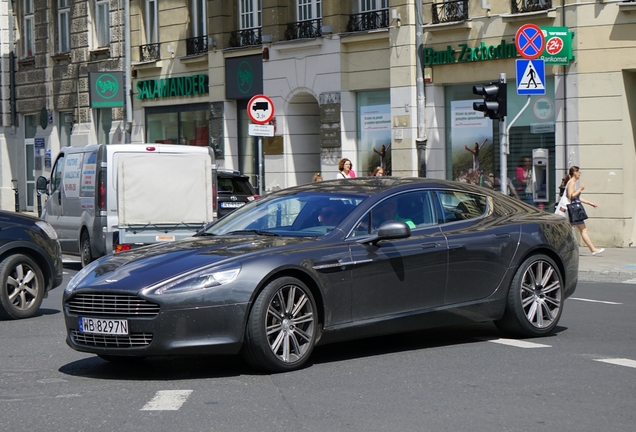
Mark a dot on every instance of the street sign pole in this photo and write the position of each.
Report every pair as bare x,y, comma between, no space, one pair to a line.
260,166
503,155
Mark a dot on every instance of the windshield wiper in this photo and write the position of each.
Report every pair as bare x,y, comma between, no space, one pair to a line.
257,232
202,234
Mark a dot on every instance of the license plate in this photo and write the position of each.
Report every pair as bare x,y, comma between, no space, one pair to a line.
232,204
103,326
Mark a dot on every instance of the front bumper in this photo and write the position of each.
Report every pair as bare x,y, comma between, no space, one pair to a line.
188,331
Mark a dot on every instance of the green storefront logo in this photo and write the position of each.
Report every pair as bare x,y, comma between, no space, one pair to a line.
557,50
244,77
107,86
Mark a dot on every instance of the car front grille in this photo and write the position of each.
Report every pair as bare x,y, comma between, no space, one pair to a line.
108,341
111,305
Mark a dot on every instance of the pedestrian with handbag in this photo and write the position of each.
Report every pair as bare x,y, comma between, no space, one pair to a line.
571,205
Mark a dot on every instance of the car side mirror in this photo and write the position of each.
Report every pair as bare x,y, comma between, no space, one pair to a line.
390,230
42,185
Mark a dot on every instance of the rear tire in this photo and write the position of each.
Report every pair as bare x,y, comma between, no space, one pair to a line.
22,288
282,327
535,299
85,250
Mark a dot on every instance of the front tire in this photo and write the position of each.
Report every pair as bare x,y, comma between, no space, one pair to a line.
282,327
535,299
22,287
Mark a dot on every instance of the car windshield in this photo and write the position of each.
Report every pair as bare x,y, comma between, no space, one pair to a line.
305,214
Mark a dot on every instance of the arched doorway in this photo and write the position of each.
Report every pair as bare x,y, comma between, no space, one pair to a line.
302,115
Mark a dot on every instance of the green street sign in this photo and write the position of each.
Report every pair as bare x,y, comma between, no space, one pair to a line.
558,46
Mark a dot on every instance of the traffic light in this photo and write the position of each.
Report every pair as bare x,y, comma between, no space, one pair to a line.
494,104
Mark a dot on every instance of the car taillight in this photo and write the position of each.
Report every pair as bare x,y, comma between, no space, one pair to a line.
253,197
101,191
215,203
122,247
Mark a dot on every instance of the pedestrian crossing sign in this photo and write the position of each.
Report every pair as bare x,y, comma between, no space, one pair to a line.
530,77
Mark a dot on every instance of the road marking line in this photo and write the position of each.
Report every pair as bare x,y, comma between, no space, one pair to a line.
619,362
167,400
594,301
630,281
516,343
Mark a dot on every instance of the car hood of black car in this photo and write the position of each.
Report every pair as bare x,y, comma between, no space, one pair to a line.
143,267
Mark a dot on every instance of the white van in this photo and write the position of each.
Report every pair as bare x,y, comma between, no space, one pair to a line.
108,198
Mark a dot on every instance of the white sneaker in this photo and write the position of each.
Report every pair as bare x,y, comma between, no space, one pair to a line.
600,251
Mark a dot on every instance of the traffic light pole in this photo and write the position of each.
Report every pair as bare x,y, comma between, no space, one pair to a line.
503,149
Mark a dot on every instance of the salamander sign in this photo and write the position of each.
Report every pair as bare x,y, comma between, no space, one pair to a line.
171,87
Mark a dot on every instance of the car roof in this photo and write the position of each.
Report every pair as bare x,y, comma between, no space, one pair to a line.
371,185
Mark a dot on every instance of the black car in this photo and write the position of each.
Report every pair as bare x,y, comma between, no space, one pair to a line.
30,264
234,190
327,262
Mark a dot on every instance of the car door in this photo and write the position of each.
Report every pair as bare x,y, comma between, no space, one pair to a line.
403,275
480,245
54,205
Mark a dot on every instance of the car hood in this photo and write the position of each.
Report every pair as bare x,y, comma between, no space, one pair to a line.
147,266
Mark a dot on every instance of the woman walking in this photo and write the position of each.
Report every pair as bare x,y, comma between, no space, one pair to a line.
570,193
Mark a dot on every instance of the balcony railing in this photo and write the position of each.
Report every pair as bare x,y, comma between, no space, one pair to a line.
450,11
521,6
304,29
197,45
149,52
368,20
246,37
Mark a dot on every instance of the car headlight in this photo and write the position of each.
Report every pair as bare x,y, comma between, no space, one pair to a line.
79,276
48,229
200,279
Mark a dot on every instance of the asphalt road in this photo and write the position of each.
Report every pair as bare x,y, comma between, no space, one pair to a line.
466,378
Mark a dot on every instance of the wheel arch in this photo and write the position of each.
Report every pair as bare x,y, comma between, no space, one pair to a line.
304,277
550,253
36,254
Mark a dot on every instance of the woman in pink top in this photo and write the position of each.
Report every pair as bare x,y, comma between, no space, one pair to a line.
344,166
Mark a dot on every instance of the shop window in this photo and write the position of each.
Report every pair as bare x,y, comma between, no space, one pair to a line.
472,140
187,125
374,132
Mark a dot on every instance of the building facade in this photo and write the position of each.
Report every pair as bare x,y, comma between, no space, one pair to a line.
361,79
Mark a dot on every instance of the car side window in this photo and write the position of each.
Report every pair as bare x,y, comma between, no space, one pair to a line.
56,174
413,208
458,205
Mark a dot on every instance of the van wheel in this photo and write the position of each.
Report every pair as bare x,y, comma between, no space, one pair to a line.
85,250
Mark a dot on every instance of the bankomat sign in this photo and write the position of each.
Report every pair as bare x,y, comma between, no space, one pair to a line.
557,50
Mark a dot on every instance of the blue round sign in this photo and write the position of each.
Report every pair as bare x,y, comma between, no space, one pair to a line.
530,41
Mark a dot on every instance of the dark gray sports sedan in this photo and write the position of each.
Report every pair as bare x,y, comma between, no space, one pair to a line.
328,262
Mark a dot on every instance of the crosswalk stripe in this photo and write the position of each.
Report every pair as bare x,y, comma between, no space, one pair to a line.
594,301
619,362
167,400
516,343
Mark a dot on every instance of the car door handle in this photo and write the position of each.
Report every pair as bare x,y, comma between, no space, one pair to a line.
429,245
502,236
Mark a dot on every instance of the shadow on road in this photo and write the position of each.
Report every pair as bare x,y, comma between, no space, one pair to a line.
187,367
